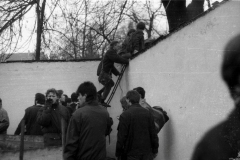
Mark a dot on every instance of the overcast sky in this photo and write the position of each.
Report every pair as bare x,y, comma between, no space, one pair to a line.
27,43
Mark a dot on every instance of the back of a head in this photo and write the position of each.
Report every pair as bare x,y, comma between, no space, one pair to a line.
231,63
141,91
40,98
59,93
74,97
124,103
141,26
89,89
133,96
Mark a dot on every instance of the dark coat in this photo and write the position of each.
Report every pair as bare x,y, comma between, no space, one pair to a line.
137,40
86,133
30,117
50,118
109,59
4,121
222,142
72,107
136,132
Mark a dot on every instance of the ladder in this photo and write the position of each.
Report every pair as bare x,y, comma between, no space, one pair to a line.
116,84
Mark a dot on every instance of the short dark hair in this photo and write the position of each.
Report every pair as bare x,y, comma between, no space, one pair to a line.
53,90
89,89
124,103
74,97
40,98
231,63
133,96
59,93
141,25
141,91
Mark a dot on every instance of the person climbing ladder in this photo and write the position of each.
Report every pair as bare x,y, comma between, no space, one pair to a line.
106,69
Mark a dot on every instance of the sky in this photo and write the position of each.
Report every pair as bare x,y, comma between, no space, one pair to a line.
27,43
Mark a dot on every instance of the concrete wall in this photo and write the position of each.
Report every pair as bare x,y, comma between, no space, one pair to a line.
180,73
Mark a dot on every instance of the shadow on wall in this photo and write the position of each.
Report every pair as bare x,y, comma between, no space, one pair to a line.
168,140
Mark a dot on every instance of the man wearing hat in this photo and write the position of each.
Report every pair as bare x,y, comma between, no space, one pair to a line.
106,68
30,117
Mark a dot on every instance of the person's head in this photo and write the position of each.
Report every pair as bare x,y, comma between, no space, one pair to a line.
74,97
130,32
231,67
68,101
114,45
132,97
63,98
0,103
60,92
52,94
141,91
124,103
141,26
86,92
39,98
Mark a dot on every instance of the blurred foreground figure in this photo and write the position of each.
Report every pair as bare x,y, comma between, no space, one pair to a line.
222,142
4,120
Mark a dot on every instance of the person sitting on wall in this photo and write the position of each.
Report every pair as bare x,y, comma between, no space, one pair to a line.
137,39
125,50
223,141
4,120
106,69
30,117
49,117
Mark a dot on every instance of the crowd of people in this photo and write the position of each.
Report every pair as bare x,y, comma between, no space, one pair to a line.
86,122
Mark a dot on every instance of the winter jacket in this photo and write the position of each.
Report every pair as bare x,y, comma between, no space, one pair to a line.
49,117
109,59
86,133
137,40
4,121
136,132
222,142
30,117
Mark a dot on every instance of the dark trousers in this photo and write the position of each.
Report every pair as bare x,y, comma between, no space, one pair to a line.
141,157
106,80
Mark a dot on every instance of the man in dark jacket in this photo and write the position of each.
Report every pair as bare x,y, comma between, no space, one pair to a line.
106,68
74,102
137,138
52,117
88,127
137,39
4,120
222,142
30,117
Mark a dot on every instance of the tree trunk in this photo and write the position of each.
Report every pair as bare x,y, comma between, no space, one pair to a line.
176,12
40,16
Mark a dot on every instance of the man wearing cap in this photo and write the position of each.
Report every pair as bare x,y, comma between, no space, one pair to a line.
106,68
30,117
4,120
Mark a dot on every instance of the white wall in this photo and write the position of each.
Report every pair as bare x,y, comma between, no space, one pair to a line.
180,73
